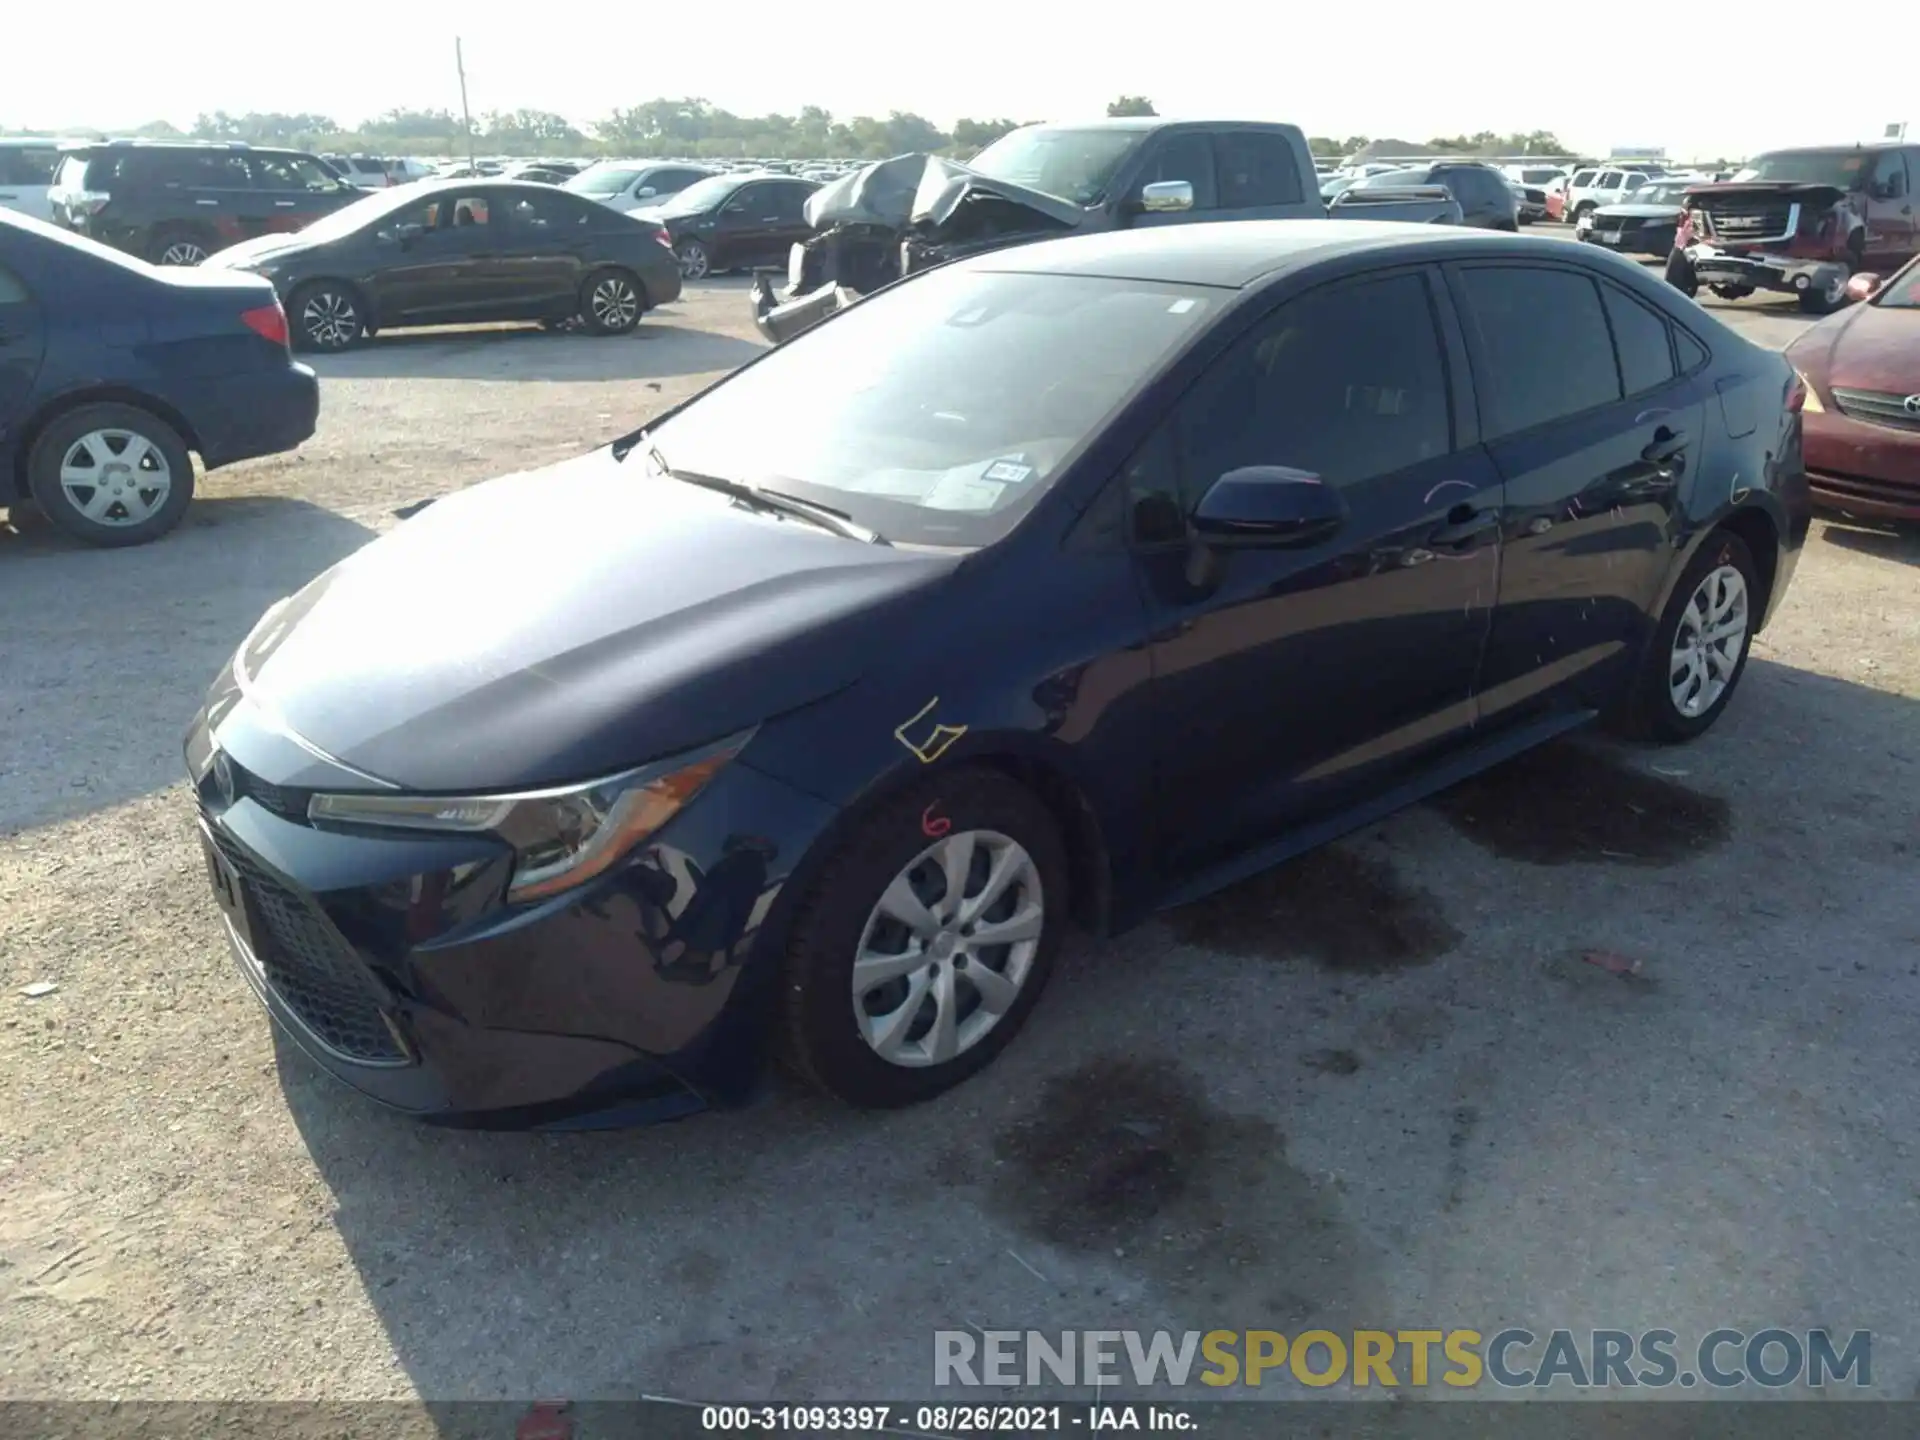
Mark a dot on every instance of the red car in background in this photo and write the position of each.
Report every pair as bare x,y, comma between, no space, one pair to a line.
1861,422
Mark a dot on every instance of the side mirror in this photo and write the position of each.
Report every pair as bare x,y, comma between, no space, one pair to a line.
645,192
1864,286
1163,196
1268,505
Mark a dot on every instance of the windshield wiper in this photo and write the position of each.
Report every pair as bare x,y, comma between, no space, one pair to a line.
771,502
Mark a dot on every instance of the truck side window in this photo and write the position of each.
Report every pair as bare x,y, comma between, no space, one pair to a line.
1889,180
1183,155
1256,169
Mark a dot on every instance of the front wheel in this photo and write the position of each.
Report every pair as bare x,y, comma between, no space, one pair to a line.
695,262
1699,651
1732,292
926,941
610,302
111,475
1680,273
1827,298
326,316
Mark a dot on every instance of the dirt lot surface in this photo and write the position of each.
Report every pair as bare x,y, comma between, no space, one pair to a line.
1378,1087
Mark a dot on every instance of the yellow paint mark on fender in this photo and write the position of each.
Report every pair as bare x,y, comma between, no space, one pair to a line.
928,741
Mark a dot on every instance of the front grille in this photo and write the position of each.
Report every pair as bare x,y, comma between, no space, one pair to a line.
1878,407
1533,196
311,967
1748,219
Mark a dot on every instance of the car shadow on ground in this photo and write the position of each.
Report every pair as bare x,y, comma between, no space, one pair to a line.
160,620
1176,1137
660,348
1889,540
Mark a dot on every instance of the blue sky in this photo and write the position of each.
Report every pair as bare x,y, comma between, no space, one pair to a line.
1597,78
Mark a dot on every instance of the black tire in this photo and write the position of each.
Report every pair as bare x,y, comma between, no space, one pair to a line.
1825,302
696,261
181,245
611,302
1731,292
1680,273
1648,711
326,316
1585,207
115,528
821,1037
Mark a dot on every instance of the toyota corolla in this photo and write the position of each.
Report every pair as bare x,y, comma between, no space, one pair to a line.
1054,586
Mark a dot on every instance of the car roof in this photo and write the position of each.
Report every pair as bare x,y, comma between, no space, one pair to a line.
1236,254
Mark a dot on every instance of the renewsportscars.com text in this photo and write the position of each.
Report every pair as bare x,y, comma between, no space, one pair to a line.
1513,1358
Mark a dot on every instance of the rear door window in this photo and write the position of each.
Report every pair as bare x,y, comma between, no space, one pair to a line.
1641,339
298,172
1535,372
1255,169
21,166
191,170
785,202
1609,181
1581,179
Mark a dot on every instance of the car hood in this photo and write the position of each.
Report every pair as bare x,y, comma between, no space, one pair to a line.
1641,212
1762,189
925,190
249,252
570,622
1864,347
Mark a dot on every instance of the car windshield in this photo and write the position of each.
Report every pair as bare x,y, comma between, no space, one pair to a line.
1902,291
1540,177
938,412
598,181
1076,165
702,195
1660,193
1840,168
1393,179
349,218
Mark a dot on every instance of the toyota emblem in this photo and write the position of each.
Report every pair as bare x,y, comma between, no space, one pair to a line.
1912,404
223,776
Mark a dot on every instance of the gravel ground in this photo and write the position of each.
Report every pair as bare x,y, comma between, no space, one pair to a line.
1378,1087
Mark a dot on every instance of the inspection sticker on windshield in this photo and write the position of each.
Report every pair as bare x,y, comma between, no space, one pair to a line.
963,492
1180,307
1009,471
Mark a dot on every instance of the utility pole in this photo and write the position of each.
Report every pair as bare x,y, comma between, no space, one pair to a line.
466,115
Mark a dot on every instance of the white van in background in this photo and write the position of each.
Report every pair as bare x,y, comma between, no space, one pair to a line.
26,172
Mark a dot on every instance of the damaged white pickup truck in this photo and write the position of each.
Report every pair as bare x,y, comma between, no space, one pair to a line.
915,211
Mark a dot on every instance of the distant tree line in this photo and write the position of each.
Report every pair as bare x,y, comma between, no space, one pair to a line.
697,128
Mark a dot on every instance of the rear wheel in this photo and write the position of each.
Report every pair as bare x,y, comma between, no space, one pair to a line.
695,262
1698,653
326,316
926,941
610,302
180,245
111,475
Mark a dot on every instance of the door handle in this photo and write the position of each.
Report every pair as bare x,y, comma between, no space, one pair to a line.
769,219
1668,444
206,202
1464,523
285,204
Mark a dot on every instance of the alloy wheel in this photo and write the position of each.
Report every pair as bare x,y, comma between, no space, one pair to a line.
183,252
330,320
947,948
115,477
694,262
1709,641
614,304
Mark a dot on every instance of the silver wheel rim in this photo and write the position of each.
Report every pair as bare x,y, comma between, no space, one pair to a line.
115,477
329,319
693,262
183,252
1708,645
1836,290
614,304
948,948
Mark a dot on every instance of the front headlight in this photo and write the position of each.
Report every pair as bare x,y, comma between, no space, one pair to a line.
561,838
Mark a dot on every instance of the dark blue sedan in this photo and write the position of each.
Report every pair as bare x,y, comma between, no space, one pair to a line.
114,373
1049,587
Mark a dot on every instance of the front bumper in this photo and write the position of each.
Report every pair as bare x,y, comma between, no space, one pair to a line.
261,413
1868,470
1761,271
394,962
1638,240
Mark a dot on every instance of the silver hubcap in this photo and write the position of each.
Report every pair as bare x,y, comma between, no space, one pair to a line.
330,320
693,262
183,252
946,951
115,477
1708,645
614,304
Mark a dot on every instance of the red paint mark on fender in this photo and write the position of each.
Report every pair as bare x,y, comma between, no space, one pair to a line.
547,1420
934,826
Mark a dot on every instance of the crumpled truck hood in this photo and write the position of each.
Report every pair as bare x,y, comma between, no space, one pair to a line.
922,190
1760,189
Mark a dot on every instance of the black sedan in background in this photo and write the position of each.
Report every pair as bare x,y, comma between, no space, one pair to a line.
1053,585
456,252
733,222
114,373
1644,225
